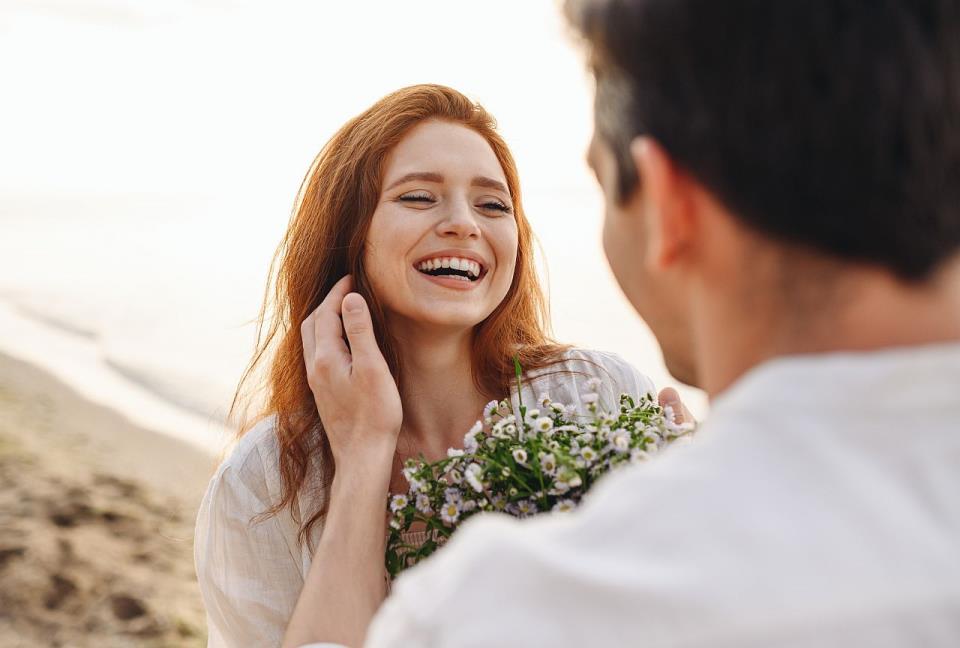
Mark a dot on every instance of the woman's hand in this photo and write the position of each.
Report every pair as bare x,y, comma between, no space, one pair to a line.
355,393
359,406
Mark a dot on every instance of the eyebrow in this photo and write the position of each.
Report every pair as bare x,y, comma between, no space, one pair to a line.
426,176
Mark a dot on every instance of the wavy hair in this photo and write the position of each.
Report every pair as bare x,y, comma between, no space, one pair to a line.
325,240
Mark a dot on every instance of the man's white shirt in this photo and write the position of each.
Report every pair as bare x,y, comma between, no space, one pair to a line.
818,506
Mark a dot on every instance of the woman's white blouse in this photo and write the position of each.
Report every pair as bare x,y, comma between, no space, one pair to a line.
251,568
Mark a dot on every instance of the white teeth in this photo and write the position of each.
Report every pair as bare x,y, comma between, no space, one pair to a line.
455,263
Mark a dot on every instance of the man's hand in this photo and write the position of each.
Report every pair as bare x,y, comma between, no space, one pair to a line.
670,398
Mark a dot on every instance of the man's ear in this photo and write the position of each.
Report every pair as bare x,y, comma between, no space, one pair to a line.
668,217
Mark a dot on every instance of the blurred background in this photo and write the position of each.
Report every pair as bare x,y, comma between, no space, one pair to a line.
150,153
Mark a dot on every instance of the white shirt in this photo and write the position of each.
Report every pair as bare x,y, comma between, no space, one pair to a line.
251,571
819,506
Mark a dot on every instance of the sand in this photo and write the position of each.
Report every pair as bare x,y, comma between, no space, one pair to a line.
96,522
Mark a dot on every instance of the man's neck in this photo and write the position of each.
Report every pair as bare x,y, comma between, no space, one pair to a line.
858,309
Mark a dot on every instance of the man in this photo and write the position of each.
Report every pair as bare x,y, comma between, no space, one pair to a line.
783,208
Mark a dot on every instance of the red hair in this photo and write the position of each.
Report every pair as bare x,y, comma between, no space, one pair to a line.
325,241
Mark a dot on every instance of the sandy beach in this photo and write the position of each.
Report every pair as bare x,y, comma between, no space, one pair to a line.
96,522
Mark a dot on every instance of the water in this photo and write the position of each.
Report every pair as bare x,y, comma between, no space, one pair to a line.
144,187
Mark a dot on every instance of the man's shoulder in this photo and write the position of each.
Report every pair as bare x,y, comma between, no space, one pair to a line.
730,538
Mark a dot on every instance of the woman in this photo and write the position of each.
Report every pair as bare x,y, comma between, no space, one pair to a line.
409,238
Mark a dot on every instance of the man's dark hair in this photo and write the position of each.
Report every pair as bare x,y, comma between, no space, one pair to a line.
832,124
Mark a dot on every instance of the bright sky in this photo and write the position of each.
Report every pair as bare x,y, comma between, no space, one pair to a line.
230,101
188,96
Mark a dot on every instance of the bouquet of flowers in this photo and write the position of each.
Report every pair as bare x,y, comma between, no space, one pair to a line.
540,460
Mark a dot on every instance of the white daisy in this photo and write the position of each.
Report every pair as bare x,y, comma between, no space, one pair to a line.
497,431
398,502
520,456
543,424
423,504
470,444
589,454
620,440
564,506
548,463
472,474
450,512
526,507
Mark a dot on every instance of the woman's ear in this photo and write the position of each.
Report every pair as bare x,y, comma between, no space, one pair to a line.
668,217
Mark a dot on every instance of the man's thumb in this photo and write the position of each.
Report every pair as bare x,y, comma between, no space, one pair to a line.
670,398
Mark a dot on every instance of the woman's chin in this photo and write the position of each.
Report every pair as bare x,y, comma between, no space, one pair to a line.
450,319
453,322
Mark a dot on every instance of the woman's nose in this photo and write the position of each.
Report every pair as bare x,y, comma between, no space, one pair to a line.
460,222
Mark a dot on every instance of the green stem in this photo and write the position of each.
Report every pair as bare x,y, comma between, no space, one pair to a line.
519,373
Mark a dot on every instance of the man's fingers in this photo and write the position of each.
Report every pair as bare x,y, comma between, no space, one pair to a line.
670,398
359,327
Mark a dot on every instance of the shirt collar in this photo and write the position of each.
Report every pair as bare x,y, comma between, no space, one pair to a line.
896,376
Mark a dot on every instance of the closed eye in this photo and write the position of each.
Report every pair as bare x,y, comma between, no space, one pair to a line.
496,206
417,197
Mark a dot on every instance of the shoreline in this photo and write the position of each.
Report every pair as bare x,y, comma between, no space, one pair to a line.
73,356
96,521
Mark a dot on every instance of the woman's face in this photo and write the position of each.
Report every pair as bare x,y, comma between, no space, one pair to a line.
442,245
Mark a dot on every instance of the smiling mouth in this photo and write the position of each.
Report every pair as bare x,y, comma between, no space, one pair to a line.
466,275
